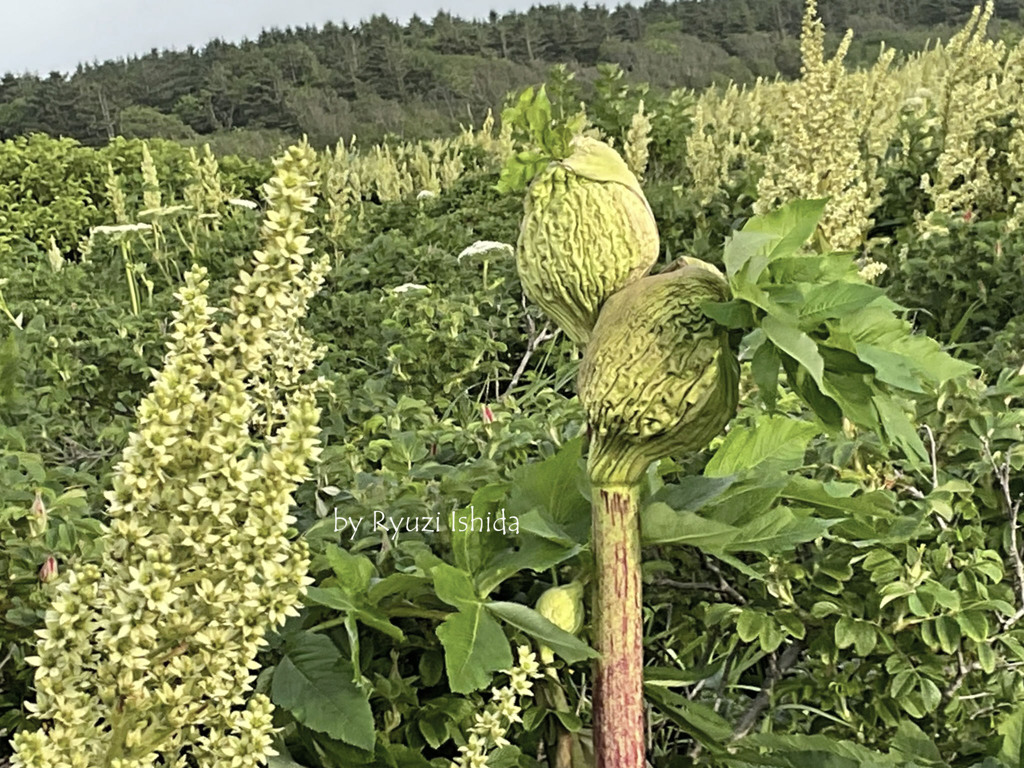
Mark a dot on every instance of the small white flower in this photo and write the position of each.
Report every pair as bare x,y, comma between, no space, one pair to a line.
111,229
425,193
406,287
242,203
484,246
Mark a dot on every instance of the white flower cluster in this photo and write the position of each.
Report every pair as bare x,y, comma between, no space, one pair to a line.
830,128
147,658
492,723
970,104
872,270
485,246
638,140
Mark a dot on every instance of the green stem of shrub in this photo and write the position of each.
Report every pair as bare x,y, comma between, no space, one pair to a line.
618,686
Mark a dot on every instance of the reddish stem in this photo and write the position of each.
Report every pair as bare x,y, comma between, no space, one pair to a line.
618,687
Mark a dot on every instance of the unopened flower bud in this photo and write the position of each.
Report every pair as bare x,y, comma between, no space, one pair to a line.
37,522
488,415
49,571
563,607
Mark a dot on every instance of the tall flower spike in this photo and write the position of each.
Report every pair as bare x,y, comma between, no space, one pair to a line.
151,652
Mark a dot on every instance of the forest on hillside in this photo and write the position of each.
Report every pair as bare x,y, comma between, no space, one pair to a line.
427,77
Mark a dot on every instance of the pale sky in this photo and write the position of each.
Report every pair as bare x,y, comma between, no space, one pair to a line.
45,35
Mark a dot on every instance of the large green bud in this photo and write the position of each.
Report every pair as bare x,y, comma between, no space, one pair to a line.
563,607
587,231
659,377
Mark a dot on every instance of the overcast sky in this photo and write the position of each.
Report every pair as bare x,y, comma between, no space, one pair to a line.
45,35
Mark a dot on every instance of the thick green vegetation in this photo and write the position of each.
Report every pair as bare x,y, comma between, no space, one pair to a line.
836,580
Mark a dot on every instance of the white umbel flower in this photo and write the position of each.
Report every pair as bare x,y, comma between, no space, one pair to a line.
485,246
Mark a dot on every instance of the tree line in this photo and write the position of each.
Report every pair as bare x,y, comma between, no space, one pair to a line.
425,77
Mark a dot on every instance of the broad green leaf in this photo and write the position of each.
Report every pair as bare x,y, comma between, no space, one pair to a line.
778,530
730,314
660,524
357,607
817,749
1011,752
569,647
797,344
791,225
553,486
837,299
974,625
765,370
872,505
693,492
534,554
781,438
854,395
749,624
698,720
314,683
741,247
353,571
454,586
857,633
474,648
891,367
912,741
899,429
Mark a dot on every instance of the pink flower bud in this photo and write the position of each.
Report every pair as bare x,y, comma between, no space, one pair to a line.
968,216
488,415
49,570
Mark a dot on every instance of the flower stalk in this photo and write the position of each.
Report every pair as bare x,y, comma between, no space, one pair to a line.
618,685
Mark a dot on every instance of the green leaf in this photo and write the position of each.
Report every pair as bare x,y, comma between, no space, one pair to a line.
730,314
568,646
778,530
912,741
891,367
660,524
1011,752
974,625
335,598
816,749
696,719
474,648
693,492
454,586
948,632
780,438
353,571
741,247
314,683
837,299
765,370
789,226
553,486
749,624
534,554
790,339
899,429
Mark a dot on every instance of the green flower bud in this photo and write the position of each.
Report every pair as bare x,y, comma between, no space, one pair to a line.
587,231
659,377
37,522
563,607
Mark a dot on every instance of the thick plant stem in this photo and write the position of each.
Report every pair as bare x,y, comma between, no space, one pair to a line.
618,686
